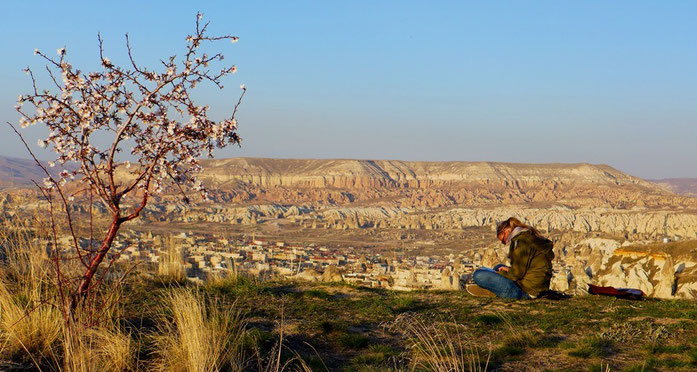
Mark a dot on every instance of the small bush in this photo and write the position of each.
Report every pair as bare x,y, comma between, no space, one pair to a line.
199,336
692,354
235,284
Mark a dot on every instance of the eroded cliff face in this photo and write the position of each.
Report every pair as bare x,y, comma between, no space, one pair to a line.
659,270
391,173
344,194
429,184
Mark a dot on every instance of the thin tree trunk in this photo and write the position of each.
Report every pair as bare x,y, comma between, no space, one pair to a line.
84,285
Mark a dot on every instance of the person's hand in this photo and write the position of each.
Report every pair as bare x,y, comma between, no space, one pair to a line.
503,268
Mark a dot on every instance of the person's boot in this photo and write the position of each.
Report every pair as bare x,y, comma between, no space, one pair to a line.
478,291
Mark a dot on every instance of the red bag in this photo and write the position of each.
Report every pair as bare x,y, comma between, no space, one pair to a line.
626,293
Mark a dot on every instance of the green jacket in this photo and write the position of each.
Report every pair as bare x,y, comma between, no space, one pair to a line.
531,262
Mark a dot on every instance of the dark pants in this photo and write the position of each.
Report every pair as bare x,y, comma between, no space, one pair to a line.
497,283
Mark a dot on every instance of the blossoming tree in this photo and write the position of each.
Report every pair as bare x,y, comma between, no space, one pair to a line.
130,120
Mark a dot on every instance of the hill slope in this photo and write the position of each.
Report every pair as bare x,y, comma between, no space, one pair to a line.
15,172
683,186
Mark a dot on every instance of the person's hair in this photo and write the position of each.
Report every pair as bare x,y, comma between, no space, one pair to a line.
513,222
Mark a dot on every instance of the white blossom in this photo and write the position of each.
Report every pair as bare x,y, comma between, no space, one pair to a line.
165,131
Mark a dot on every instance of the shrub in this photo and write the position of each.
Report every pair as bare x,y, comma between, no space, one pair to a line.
199,336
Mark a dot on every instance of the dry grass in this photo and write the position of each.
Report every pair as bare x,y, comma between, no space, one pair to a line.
105,348
517,336
34,328
436,345
29,327
170,267
27,330
96,341
273,362
199,335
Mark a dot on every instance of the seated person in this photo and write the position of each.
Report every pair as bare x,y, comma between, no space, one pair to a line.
531,263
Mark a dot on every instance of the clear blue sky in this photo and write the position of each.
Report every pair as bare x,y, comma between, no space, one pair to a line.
545,81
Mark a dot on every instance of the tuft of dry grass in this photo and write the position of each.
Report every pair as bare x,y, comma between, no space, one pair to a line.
223,278
199,335
27,330
437,345
105,348
29,327
170,267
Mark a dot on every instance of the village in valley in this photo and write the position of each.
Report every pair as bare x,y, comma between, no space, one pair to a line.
208,256
204,256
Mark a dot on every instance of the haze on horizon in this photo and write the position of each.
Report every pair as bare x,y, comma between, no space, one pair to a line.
595,82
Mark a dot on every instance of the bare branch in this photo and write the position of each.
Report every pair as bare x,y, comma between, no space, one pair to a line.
55,184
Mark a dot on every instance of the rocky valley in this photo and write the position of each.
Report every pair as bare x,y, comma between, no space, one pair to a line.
609,228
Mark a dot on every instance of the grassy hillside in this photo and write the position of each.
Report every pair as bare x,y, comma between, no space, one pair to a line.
338,327
355,328
161,322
